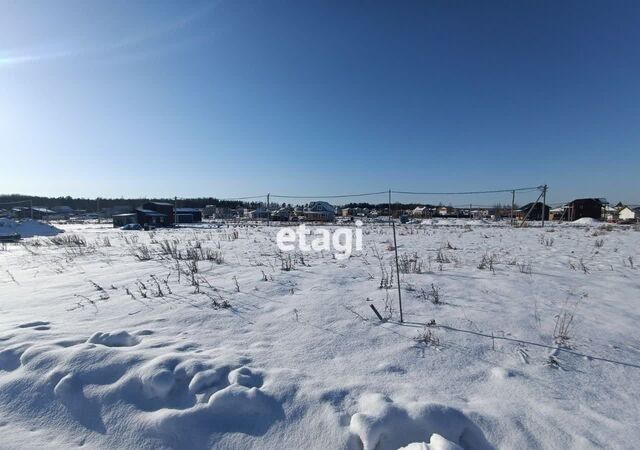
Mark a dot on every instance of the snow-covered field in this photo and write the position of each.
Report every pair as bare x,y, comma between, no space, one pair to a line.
112,339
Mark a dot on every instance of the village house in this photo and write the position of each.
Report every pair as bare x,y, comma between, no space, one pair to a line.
151,218
282,214
115,210
585,207
259,213
445,211
120,220
347,212
155,214
63,210
220,212
534,211
609,213
319,212
188,215
355,212
628,215
421,212
479,213
36,212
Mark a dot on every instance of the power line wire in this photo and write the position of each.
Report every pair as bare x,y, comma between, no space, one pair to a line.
330,196
243,198
499,191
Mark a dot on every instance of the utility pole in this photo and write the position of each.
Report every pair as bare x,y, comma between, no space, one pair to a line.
389,206
98,208
175,211
31,208
268,213
544,203
513,204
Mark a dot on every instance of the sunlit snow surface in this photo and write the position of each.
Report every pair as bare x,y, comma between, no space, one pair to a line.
105,349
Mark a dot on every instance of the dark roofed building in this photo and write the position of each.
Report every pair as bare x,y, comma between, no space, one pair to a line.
536,211
166,209
37,212
585,207
120,220
188,215
148,217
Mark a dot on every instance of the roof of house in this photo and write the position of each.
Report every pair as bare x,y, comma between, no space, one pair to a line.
149,212
126,215
43,210
320,207
63,208
160,203
602,201
529,205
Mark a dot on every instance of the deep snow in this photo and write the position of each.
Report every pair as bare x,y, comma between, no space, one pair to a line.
26,228
103,349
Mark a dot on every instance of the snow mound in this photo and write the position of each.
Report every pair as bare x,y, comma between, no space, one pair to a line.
115,339
112,386
586,221
245,377
10,357
26,228
437,442
386,425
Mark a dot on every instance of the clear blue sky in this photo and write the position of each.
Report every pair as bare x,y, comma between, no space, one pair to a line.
234,98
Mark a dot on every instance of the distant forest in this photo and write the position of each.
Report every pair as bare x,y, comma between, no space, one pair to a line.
92,204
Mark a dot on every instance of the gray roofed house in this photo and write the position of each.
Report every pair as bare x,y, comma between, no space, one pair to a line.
320,211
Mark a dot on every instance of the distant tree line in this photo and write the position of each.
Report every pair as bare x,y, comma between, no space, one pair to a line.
92,204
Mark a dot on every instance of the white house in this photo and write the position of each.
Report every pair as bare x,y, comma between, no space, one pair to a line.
627,214
479,213
446,210
420,211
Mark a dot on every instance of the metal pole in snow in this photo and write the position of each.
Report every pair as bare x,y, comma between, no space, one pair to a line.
395,246
377,313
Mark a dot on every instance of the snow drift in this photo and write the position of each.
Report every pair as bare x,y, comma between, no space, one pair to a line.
586,221
26,228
